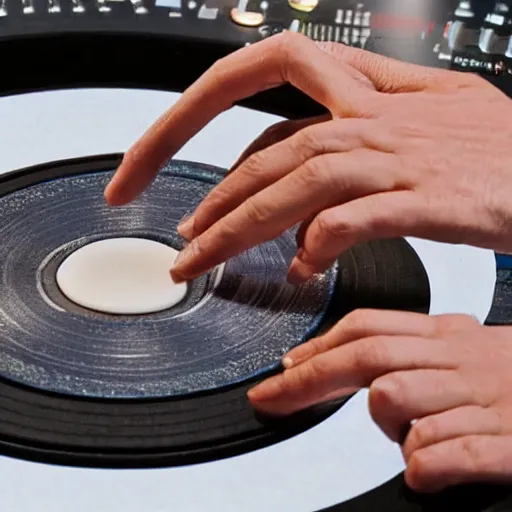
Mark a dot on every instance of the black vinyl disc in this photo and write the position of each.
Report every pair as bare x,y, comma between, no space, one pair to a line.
395,496
49,45
233,324
65,427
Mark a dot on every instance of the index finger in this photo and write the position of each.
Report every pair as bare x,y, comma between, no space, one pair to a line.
351,366
285,58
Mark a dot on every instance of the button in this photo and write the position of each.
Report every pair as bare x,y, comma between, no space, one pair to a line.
303,5
495,19
247,18
501,8
464,10
294,26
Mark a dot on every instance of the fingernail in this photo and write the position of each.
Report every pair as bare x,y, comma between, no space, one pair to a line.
299,272
287,362
177,277
181,259
186,228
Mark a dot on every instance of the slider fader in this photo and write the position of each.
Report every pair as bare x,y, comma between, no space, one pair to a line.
478,41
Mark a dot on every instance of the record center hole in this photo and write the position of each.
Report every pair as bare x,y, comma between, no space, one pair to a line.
124,276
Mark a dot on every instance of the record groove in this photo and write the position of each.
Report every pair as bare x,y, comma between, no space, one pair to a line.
233,325
174,430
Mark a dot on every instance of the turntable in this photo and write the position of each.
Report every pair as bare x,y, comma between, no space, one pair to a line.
148,412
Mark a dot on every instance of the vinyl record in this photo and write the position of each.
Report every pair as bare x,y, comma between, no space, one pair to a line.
395,496
69,394
233,324
70,44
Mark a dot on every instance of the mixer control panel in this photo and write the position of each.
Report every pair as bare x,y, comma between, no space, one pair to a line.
478,41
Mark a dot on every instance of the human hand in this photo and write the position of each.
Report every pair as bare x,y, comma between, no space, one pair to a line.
447,375
422,152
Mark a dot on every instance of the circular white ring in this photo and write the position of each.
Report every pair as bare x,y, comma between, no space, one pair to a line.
121,276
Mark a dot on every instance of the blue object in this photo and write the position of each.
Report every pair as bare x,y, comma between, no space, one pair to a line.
236,330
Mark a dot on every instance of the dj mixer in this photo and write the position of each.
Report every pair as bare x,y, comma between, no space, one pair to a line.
62,43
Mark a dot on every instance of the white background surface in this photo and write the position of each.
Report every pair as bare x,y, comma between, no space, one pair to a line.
339,459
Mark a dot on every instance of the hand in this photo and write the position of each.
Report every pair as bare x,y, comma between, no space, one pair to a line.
421,152
447,375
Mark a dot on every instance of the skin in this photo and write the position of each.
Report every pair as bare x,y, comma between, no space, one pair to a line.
447,373
403,151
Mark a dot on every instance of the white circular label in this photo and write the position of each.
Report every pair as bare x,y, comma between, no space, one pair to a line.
121,276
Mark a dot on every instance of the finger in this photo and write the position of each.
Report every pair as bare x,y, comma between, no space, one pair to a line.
301,232
267,167
363,323
398,398
319,183
469,459
284,129
450,424
277,133
386,74
285,58
292,277
401,212
335,230
356,364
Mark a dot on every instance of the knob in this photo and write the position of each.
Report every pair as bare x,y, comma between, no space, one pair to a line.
487,40
456,35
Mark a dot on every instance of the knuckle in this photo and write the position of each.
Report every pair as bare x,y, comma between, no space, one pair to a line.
286,40
253,165
420,469
498,422
309,173
325,226
283,50
228,231
423,433
282,384
277,131
215,198
255,212
336,50
307,142
357,321
476,454
196,247
329,227
312,374
388,391
371,357
321,171
319,370
217,69
455,322
380,68
317,345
